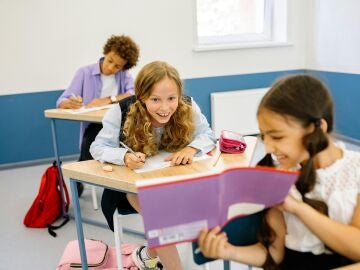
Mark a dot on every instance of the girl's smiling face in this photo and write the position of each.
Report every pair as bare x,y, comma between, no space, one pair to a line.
163,101
283,138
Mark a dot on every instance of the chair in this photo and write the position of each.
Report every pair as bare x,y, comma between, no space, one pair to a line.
94,198
241,231
119,235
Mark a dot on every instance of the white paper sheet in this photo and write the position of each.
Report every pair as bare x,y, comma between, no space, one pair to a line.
157,162
84,110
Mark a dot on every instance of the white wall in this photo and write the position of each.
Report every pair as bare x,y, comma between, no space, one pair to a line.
43,42
335,36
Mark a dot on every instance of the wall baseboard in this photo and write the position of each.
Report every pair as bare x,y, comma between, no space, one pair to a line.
37,162
346,139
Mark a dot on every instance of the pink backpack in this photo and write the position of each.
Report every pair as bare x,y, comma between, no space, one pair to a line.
99,256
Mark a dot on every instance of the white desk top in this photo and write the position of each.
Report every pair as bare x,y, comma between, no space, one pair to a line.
355,266
94,116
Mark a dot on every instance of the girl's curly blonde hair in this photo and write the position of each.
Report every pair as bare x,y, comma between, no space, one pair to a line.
138,130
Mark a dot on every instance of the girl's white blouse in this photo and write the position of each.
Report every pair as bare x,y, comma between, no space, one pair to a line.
338,186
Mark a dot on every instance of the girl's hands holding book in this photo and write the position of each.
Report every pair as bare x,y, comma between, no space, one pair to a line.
214,243
292,201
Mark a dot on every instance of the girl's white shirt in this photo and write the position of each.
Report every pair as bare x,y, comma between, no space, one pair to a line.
338,186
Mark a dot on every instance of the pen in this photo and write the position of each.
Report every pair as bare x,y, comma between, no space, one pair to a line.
129,149
78,98
217,157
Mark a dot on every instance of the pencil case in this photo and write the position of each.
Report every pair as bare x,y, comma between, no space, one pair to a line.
231,142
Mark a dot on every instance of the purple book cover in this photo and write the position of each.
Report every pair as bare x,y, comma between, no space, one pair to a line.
175,212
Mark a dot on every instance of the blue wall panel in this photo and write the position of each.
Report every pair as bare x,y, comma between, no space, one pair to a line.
201,88
25,134
345,89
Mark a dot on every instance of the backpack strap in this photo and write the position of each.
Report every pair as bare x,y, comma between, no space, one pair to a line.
62,182
52,228
66,204
67,197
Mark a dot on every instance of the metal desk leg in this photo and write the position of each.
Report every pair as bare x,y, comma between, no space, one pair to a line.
226,265
55,145
78,222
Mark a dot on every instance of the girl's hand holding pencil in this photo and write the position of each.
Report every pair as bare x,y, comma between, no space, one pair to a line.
133,160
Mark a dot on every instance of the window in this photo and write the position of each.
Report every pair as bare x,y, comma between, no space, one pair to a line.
238,22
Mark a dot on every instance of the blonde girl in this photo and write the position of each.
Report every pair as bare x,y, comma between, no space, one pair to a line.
158,117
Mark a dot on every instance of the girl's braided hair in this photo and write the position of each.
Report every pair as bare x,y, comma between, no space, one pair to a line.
307,100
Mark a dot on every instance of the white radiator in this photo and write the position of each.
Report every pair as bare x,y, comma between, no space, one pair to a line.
236,110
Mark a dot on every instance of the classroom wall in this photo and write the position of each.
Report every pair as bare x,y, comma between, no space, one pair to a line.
44,42
334,39
333,54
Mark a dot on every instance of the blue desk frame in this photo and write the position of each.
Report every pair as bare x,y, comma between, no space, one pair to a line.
79,220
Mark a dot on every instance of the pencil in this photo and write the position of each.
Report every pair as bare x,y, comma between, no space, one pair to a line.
78,98
129,149
217,157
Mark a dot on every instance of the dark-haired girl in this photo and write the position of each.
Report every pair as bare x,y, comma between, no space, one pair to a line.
318,224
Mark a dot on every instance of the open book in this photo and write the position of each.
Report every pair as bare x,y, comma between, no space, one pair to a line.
176,210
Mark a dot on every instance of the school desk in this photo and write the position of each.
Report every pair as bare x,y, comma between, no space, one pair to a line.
123,179
355,266
61,114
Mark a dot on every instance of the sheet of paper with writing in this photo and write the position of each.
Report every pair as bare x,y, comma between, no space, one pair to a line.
158,162
84,110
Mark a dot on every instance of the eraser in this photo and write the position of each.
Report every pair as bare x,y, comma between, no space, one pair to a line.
107,168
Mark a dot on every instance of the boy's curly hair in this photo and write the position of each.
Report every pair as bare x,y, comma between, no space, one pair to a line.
125,47
138,130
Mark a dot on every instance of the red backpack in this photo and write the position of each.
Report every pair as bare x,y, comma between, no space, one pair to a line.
47,206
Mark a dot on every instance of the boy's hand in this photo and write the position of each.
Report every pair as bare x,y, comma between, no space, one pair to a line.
73,102
184,156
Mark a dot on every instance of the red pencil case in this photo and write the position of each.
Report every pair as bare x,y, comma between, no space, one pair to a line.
232,142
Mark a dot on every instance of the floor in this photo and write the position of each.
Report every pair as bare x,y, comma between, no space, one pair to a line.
29,248
25,248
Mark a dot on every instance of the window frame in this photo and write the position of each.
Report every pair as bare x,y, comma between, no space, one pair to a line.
272,36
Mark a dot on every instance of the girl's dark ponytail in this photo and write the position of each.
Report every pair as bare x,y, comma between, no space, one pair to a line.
314,142
266,234
266,161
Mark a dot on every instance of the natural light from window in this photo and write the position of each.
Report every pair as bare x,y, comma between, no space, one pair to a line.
231,22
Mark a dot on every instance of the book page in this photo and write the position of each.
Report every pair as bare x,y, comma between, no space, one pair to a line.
158,162
84,110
